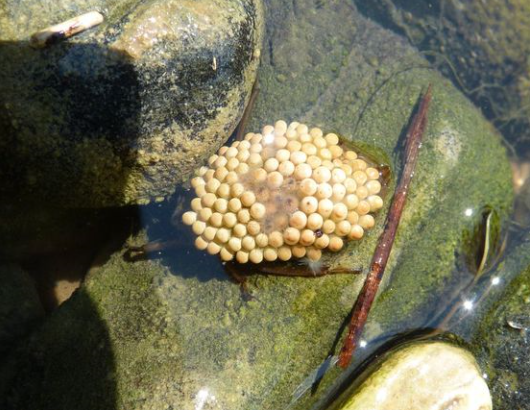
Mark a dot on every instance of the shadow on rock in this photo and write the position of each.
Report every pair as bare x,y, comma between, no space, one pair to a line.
70,114
68,364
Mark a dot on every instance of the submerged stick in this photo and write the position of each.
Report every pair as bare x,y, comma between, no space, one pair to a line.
384,246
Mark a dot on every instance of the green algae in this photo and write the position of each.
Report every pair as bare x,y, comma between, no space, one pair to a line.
502,335
91,347
362,82
481,46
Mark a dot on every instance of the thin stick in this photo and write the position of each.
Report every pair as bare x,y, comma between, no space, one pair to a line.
386,240
66,29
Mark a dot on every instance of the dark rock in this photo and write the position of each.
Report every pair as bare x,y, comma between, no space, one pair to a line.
20,307
121,113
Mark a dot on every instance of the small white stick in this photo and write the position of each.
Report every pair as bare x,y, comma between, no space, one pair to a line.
66,29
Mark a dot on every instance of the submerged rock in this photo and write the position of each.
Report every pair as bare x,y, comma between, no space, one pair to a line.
121,113
482,46
502,340
425,375
175,332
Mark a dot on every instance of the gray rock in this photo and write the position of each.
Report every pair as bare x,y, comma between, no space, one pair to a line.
123,112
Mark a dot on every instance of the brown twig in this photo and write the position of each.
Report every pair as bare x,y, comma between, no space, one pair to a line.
384,246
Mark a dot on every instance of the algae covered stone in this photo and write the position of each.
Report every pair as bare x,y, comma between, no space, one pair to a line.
121,113
426,375
502,337
177,330
482,46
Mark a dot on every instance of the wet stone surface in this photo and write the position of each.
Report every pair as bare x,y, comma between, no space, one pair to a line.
174,332
422,375
123,112
503,339
482,46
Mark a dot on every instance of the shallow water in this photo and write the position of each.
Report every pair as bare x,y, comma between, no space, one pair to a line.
211,348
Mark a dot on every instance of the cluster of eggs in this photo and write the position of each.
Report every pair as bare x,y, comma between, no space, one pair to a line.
289,192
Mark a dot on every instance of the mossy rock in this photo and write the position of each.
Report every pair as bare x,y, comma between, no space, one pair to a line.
482,46
175,332
504,332
123,112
